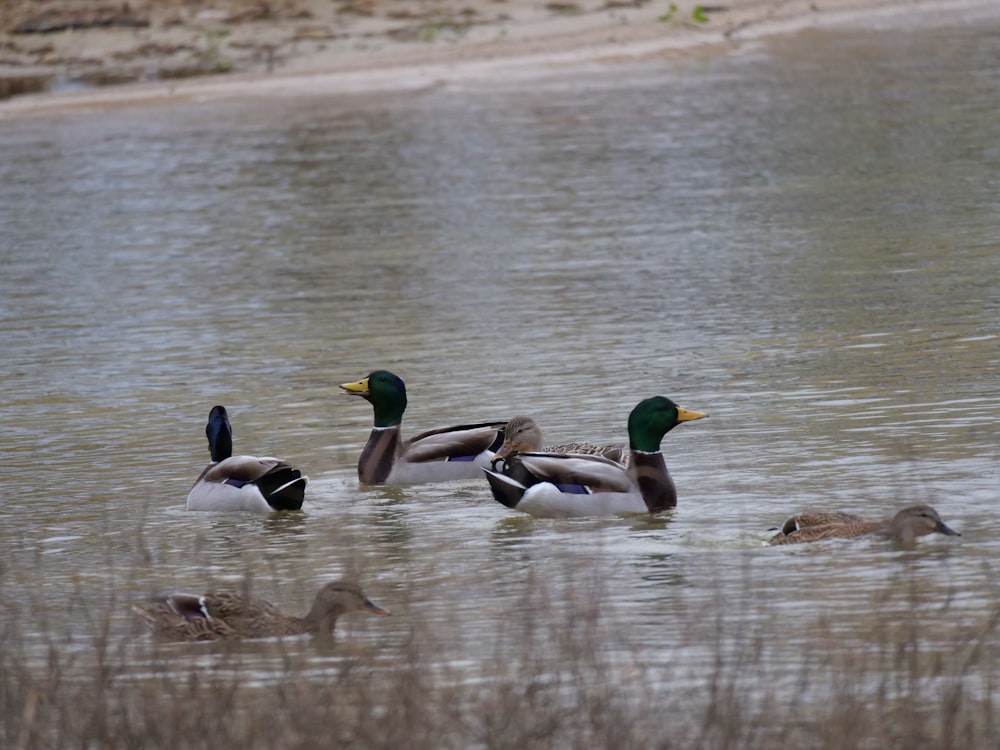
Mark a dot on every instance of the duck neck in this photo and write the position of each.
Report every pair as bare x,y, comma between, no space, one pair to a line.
379,455
220,440
901,529
319,620
649,472
388,408
644,434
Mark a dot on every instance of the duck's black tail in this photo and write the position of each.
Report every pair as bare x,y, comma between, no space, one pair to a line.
505,490
283,487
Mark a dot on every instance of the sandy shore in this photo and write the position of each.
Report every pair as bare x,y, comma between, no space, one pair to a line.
85,53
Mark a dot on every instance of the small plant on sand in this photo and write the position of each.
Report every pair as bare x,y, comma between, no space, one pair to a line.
699,14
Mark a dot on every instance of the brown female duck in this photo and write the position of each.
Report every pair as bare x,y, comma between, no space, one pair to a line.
523,435
208,617
904,527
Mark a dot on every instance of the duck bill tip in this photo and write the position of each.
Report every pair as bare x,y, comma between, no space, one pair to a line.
360,388
688,415
375,609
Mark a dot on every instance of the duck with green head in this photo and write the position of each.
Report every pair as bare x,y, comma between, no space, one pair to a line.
564,485
438,455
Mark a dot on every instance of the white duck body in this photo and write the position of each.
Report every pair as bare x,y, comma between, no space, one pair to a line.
239,482
260,484
568,486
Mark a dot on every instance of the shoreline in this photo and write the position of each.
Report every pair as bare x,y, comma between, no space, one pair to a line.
536,45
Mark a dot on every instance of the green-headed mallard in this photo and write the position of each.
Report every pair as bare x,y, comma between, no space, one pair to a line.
561,485
904,527
208,617
457,452
261,484
523,435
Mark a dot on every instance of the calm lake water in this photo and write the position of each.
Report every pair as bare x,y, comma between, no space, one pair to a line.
800,238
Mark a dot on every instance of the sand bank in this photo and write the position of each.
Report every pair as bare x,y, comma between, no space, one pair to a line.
91,55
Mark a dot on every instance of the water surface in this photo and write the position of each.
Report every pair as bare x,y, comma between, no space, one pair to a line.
799,238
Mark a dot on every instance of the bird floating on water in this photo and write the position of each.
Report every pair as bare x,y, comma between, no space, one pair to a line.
563,485
438,455
262,484
523,435
227,615
904,527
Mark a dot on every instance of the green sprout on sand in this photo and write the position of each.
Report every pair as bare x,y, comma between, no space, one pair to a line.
698,14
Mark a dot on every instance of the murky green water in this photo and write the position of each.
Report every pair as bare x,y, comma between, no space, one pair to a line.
800,239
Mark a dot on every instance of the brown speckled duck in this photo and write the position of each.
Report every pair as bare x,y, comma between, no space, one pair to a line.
904,527
524,435
208,617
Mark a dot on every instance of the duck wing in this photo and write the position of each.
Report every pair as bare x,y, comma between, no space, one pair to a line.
569,472
454,443
616,453
282,485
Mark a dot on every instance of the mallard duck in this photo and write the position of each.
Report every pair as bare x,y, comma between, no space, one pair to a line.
208,617
457,452
261,484
810,518
904,527
523,435
561,485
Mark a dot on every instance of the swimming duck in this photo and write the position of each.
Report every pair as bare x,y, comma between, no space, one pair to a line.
523,435
261,484
457,452
809,518
209,617
904,527
563,485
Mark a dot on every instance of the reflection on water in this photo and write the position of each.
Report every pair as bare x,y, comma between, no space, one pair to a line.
799,239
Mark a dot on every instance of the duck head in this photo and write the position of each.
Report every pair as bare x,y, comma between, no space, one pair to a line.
652,418
219,433
385,392
522,435
919,520
336,599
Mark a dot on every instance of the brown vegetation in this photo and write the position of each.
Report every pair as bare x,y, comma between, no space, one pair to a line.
569,679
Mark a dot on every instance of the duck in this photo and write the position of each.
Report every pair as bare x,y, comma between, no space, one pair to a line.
904,527
437,455
248,483
550,485
523,435
228,615
810,518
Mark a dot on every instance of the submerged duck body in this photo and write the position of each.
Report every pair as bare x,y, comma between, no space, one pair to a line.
908,524
227,615
261,484
565,485
438,455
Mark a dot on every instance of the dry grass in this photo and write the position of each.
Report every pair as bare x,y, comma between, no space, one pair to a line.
563,679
